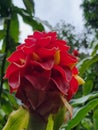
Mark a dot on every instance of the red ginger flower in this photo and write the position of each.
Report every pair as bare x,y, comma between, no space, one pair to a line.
41,70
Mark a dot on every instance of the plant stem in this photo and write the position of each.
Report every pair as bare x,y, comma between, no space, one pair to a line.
36,122
6,42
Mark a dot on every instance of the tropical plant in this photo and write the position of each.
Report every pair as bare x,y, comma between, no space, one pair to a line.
84,103
9,39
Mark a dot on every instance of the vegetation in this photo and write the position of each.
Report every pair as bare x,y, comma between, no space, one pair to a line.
85,103
9,38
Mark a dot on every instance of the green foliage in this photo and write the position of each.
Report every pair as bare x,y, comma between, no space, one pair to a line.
14,27
50,123
80,41
59,118
8,103
85,103
90,11
86,63
5,8
29,4
95,118
90,8
95,49
87,124
9,37
18,120
84,99
87,87
67,32
2,34
81,113
33,23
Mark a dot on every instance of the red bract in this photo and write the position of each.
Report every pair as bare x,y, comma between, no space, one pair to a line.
75,52
41,70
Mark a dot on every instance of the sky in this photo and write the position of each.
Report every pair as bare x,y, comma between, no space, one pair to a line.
54,11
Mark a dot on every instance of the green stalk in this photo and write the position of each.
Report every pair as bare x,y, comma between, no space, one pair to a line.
36,122
6,42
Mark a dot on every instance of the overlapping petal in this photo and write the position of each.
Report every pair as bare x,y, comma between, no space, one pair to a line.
41,69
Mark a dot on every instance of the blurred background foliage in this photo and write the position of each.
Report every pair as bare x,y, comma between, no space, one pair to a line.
85,102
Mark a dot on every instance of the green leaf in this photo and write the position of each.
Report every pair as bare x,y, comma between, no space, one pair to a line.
6,106
5,6
95,118
2,113
30,20
80,114
95,49
86,63
33,23
14,27
59,118
50,123
87,87
11,98
29,5
18,120
2,34
82,100
1,56
87,124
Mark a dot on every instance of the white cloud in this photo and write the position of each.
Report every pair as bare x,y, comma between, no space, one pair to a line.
55,10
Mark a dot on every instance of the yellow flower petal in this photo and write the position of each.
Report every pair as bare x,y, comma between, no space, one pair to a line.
22,61
79,79
36,57
57,57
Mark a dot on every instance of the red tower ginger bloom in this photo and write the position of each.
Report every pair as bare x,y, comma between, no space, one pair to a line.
41,71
